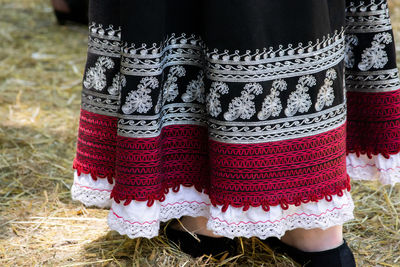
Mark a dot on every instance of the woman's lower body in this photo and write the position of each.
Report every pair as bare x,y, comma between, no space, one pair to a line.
71,10
230,110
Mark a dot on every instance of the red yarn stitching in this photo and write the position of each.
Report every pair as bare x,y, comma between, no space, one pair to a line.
373,165
288,172
147,168
92,188
373,125
125,220
281,173
185,201
284,218
95,153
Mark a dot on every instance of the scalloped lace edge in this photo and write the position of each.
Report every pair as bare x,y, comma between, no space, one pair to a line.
261,230
151,228
265,229
139,220
91,193
126,220
384,170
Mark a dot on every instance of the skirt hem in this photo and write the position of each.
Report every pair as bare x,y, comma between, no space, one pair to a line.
325,193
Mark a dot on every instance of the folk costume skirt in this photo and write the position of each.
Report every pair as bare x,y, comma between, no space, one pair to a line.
254,114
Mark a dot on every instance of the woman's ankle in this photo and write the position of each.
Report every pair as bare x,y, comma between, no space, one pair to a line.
314,240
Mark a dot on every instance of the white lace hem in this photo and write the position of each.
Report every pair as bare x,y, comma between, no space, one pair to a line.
276,222
91,192
387,171
139,220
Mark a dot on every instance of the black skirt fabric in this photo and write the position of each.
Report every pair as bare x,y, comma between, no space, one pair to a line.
235,110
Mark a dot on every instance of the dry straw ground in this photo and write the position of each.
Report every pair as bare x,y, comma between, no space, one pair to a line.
41,68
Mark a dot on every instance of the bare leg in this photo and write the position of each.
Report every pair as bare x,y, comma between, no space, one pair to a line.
314,239
196,225
60,5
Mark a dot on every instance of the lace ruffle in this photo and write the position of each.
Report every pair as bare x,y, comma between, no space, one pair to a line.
376,167
137,219
91,192
322,214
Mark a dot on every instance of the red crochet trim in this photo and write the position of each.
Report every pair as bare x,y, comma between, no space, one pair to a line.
372,151
268,174
242,175
147,168
95,153
314,197
281,219
94,172
283,202
373,123
285,172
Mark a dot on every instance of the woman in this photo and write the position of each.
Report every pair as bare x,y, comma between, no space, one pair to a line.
233,115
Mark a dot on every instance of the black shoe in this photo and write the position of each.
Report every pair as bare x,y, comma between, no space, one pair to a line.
78,12
214,246
336,257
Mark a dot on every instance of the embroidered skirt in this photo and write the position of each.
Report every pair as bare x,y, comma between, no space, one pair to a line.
251,113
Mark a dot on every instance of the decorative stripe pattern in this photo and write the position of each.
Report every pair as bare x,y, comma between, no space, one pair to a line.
95,153
283,172
369,43
253,122
374,124
367,16
372,81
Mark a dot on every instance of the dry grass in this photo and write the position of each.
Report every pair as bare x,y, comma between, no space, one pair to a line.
41,66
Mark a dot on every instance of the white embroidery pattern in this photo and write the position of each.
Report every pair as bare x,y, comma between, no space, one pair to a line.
367,16
243,106
299,100
95,76
326,95
258,65
268,64
213,104
375,56
195,90
372,81
272,104
104,40
119,81
351,41
170,89
140,99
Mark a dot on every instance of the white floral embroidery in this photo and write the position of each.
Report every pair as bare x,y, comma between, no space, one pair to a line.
119,81
243,106
195,90
272,105
326,95
351,41
140,100
299,100
170,88
375,56
95,76
213,104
